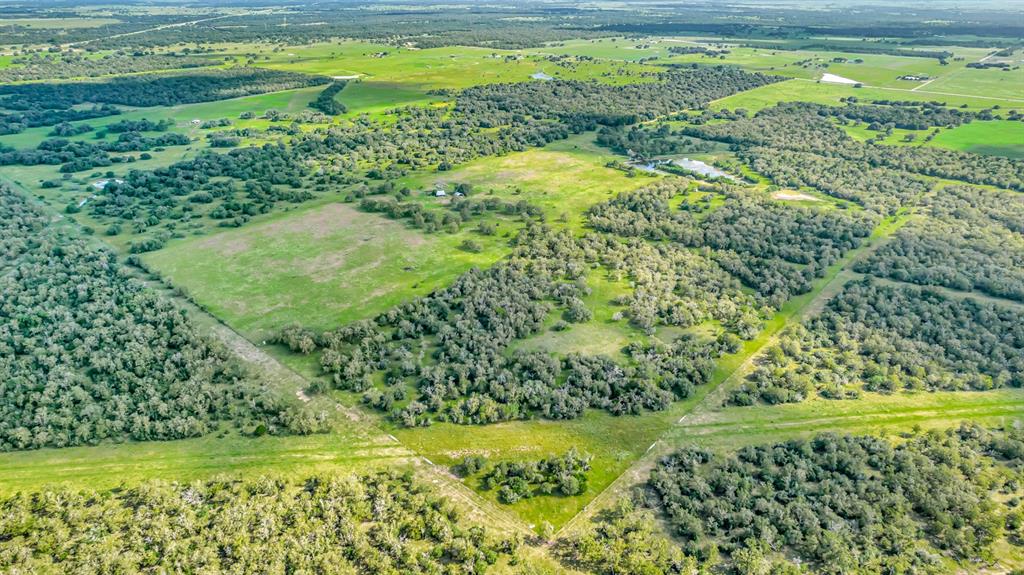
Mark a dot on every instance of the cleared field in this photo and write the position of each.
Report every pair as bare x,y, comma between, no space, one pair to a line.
434,68
615,443
108,466
824,93
320,266
375,98
993,138
874,413
1001,138
564,178
990,82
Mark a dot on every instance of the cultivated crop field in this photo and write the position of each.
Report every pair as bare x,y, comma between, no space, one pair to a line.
511,290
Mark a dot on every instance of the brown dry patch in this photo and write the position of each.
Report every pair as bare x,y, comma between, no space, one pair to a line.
225,246
319,223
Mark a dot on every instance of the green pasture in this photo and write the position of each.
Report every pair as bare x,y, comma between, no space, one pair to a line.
830,94
991,82
999,138
992,137
109,465
452,67
319,266
606,48
614,442
564,178
377,97
873,413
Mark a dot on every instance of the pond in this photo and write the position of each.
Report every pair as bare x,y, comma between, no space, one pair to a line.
541,76
702,168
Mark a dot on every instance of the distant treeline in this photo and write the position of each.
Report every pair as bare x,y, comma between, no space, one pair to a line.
155,89
859,48
907,30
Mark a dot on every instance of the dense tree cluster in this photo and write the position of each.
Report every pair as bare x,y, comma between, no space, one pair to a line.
383,523
75,156
900,114
587,105
325,101
879,189
87,353
555,475
66,130
775,249
74,65
884,338
143,125
268,175
676,286
963,250
843,504
645,142
17,122
703,50
155,89
20,223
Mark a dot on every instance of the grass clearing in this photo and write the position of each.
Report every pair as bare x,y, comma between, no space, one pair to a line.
563,178
991,82
452,67
874,413
997,138
830,94
375,98
320,266
108,466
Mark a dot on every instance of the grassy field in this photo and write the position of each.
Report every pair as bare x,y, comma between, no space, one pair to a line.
327,263
434,68
874,413
319,266
990,82
1002,138
564,178
994,137
376,97
108,466
830,94
286,101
